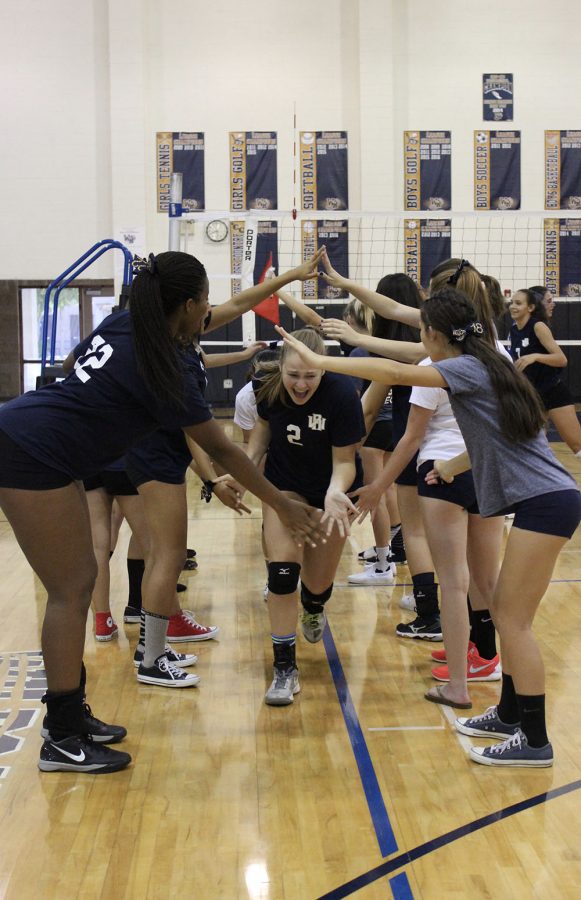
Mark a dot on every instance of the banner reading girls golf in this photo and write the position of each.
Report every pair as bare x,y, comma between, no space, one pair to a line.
563,257
334,234
427,243
427,168
562,169
497,170
497,98
324,170
253,183
256,244
181,151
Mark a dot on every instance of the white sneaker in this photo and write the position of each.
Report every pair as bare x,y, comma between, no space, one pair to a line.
408,601
368,556
313,625
285,685
373,576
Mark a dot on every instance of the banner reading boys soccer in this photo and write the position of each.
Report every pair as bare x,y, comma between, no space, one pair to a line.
181,151
562,169
563,257
265,250
427,167
334,234
324,170
427,243
253,183
497,98
497,170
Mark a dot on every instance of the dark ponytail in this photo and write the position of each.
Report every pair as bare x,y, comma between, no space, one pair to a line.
157,291
521,414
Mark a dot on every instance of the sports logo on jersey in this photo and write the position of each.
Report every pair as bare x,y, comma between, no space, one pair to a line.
95,358
316,422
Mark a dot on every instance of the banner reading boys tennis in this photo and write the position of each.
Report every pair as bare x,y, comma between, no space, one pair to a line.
427,168
334,234
324,182
563,257
497,170
427,243
497,98
181,151
253,182
562,169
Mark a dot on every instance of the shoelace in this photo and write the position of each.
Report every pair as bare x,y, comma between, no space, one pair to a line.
190,616
281,677
166,666
511,743
486,716
311,619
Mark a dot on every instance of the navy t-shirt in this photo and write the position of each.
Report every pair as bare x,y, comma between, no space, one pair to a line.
300,454
82,424
524,341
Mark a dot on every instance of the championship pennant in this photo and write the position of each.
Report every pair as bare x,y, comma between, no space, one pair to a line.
324,170
253,180
562,169
497,170
427,243
334,234
427,170
562,239
497,98
181,151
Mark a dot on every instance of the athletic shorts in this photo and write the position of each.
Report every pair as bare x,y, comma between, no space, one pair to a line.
460,491
409,476
557,513
18,469
380,437
556,396
170,475
115,481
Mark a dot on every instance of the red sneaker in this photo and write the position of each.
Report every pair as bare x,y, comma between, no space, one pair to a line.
440,655
105,627
183,627
477,669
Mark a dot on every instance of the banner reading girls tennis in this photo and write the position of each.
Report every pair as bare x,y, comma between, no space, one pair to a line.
181,151
260,240
427,243
253,182
562,169
324,182
563,257
497,170
427,170
497,98
334,234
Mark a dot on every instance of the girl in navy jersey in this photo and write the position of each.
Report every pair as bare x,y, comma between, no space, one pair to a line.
310,424
501,421
128,379
537,354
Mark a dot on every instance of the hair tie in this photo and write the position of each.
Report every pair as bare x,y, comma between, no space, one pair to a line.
453,279
141,264
458,334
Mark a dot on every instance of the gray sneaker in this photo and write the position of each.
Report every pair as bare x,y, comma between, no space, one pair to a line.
313,625
285,685
515,751
486,725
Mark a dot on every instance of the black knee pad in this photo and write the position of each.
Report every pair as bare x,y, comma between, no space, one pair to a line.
317,599
283,577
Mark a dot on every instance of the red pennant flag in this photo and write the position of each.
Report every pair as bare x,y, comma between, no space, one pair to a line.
268,308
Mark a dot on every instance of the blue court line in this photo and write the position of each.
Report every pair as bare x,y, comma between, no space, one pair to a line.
400,887
410,856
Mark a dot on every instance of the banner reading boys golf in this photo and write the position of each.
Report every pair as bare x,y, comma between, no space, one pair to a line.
324,182
181,151
497,170
253,183
562,169
427,165
563,257
497,98
334,234
427,243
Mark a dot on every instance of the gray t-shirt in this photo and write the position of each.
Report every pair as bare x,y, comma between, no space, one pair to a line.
504,472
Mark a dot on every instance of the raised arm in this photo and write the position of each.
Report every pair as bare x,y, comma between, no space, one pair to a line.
215,360
300,309
403,351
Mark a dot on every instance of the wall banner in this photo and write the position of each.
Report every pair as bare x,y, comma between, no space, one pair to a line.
252,245
563,257
427,167
334,234
562,169
181,151
497,169
427,243
253,180
324,181
497,98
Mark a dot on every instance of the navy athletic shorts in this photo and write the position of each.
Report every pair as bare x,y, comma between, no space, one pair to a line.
557,513
409,476
18,469
556,396
460,491
115,481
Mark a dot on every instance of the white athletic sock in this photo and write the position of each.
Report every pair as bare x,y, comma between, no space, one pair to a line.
382,558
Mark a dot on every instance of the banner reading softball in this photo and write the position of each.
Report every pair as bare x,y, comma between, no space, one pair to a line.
427,170
334,234
253,181
181,151
562,169
497,98
427,243
324,181
563,257
497,169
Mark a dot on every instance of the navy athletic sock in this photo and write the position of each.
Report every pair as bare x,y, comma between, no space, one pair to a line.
135,570
483,632
532,718
65,714
426,595
284,649
508,711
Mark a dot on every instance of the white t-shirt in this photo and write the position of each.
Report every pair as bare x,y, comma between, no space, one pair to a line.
245,414
442,439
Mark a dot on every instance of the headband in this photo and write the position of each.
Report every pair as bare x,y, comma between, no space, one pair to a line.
458,334
141,264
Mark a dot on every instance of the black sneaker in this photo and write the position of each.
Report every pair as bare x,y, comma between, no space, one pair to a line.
100,732
424,629
190,553
190,565
80,754
181,660
165,674
398,555
132,615
180,588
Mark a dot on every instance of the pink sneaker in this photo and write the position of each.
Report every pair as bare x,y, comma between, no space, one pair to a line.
183,627
477,669
105,627
439,656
